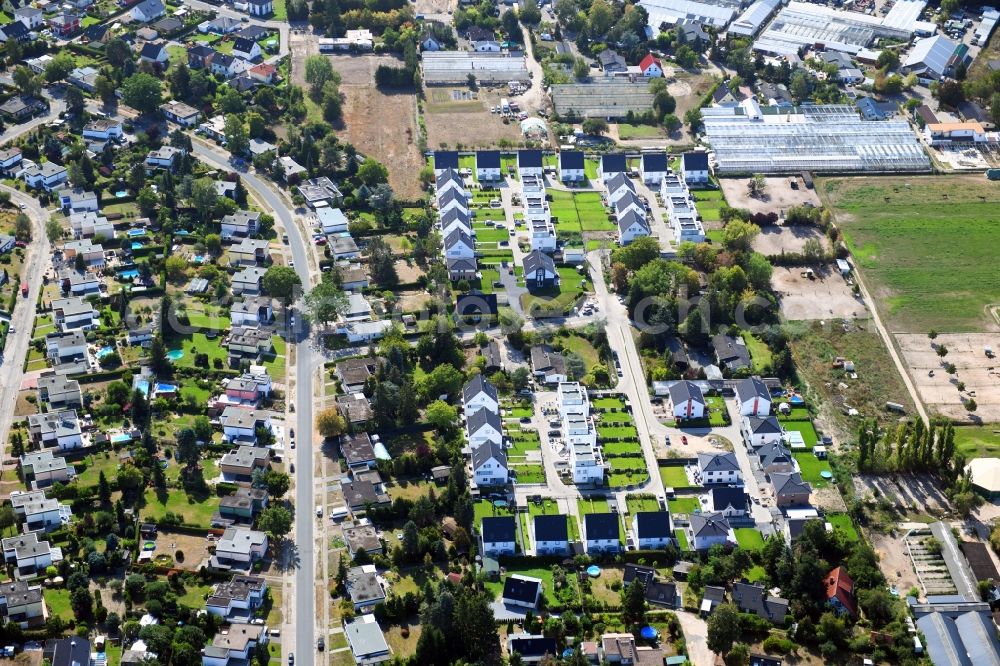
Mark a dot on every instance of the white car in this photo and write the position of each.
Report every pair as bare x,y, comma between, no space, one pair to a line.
23,205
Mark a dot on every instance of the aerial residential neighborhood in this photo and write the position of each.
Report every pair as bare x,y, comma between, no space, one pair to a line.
652,332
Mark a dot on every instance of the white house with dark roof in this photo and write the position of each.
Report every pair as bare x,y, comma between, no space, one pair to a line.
358,452
653,167
572,166
601,533
753,397
41,469
551,535
479,393
47,175
147,10
29,556
164,157
240,223
449,180
611,164
759,431
443,160
718,468
709,529
530,163
686,400
632,225
488,165
461,269
247,49
22,604
103,129
619,185
522,591
694,167
56,429
459,245
652,530
539,270
59,391
489,465
484,426
499,535
456,219
730,501
547,365
452,199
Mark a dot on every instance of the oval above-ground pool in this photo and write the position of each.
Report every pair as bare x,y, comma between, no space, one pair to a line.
175,354
593,571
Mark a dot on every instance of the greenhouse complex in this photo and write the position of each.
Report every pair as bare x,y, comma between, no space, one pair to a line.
749,139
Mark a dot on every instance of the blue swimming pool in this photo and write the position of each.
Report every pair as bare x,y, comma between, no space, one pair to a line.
121,194
129,274
141,385
165,388
198,259
175,354
105,351
120,437
133,233
182,232
136,245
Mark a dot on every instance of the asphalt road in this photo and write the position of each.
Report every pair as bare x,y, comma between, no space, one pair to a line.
304,555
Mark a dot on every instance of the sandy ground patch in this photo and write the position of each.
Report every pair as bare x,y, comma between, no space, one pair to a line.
775,239
195,548
825,297
894,562
909,493
778,195
939,390
413,301
408,271
455,118
434,6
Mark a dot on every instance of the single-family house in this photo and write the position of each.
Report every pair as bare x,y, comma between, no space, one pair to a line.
47,175
600,533
85,250
761,430
241,223
249,251
530,163
89,224
362,538
718,468
523,591
611,164
753,397
239,464
840,592
776,459
499,534
154,52
64,23
461,268
41,469
653,167
260,7
363,493
730,501
459,245
652,530
22,604
478,393
200,56
252,311
10,159
247,49
631,224
249,281
687,401
241,425
74,313
59,391
366,640
708,529
489,465
332,220
29,556
731,352
101,129
551,535
234,646
443,160
651,67
611,62
365,588
239,548
358,452
754,599
241,507
571,166
790,489
164,157
548,366
65,346
488,165
532,648
237,599
147,10
540,271
32,17
694,167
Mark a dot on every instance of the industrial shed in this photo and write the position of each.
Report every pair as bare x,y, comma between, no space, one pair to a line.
601,99
827,138
453,67
805,24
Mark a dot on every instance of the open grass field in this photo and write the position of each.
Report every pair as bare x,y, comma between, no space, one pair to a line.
627,131
636,504
815,346
195,511
806,428
683,505
978,441
709,204
925,246
674,477
760,353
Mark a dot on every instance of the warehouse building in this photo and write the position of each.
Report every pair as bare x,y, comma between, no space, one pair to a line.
451,67
716,13
753,18
750,139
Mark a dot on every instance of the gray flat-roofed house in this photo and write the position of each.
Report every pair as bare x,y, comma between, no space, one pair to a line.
239,548
59,391
366,641
365,588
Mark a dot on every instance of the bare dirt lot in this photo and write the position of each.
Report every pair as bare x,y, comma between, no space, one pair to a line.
825,297
194,547
775,239
428,7
778,194
939,390
894,561
391,140
458,117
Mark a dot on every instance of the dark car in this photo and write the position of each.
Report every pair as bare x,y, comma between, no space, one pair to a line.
321,645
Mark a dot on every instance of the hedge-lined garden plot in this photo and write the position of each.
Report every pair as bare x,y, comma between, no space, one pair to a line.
620,441
524,457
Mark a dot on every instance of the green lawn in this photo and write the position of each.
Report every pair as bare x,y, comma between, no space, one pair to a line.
627,131
617,432
749,538
280,10
901,233
97,463
636,504
194,511
58,604
683,505
581,346
674,477
548,507
608,403
194,343
190,387
591,212
811,467
225,46
178,55
529,473
485,234
709,204
276,364
542,573
590,168
682,540
485,509
842,523
809,435
194,595
760,354
756,574
977,441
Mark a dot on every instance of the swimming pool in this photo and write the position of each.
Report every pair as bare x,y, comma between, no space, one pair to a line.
182,232
120,437
175,354
134,233
129,274
165,388
136,245
105,351
198,259
121,194
141,385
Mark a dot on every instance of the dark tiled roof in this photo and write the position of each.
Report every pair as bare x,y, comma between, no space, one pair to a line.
601,526
521,589
445,159
551,528
571,159
488,159
497,529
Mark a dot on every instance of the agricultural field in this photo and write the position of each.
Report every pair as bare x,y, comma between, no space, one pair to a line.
925,246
